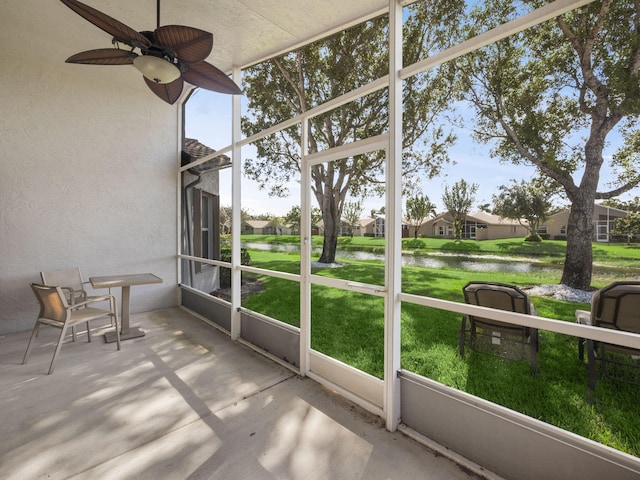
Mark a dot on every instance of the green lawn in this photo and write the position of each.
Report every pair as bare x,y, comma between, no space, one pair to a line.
349,326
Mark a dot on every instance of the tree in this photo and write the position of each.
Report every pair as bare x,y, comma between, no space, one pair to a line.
351,213
261,216
628,205
375,213
458,201
528,203
294,217
550,96
291,84
277,224
629,226
485,207
226,217
419,208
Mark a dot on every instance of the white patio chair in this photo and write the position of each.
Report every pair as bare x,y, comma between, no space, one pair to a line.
56,312
70,280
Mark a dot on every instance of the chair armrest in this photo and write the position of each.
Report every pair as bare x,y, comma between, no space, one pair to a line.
71,291
100,298
583,317
94,300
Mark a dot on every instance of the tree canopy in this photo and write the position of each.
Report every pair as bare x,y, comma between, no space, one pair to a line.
632,205
294,83
628,226
551,97
529,203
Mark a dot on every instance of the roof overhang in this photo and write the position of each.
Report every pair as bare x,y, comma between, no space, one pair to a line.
245,31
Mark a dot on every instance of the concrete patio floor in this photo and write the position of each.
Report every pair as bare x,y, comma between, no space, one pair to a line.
186,402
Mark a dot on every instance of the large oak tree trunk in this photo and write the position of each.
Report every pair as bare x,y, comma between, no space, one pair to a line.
331,222
578,264
578,259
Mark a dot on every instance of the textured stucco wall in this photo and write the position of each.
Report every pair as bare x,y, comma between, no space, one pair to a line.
88,179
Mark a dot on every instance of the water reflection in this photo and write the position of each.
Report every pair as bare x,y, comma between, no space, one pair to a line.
460,262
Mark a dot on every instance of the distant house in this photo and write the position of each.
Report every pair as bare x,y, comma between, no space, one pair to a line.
346,229
603,221
376,227
478,226
366,227
258,227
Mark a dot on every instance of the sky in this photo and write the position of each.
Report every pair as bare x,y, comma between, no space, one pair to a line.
208,120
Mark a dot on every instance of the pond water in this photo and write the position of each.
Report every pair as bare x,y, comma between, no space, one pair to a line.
463,262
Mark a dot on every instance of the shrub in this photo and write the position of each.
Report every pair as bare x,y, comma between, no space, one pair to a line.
534,237
225,273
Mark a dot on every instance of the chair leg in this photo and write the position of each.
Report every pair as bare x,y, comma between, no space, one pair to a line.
58,347
114,316
113,320
34,334
462,334
472,333
592,367
73,333
534,350
88,332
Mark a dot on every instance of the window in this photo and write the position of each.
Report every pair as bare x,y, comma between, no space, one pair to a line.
542,230
441,230
563,230
206,235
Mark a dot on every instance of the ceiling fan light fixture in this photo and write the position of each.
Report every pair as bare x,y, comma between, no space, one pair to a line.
156,69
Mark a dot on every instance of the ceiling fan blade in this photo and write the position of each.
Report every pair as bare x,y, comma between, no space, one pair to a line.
103,56
205,75
169,92
190,44
110,25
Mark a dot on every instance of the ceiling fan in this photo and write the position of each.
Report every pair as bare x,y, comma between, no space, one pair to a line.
168,56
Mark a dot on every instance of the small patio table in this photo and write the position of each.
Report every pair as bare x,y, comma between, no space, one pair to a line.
126,282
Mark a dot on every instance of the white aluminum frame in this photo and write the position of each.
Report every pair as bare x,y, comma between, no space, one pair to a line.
392,144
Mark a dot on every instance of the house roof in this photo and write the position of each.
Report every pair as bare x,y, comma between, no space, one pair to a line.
366,221
491,219
193,150
611,209
616,211
479,216
257,223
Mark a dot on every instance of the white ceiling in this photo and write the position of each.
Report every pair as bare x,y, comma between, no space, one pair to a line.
245,31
